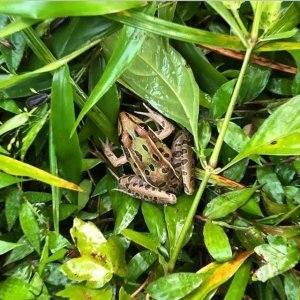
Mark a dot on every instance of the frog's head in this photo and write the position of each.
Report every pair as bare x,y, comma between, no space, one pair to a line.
130,127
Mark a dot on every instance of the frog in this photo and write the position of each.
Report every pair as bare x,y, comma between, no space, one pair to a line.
160,172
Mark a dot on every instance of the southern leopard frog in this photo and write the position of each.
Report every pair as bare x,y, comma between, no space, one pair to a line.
159,171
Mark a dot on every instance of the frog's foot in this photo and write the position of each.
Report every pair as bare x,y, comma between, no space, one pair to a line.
167,127
108,152
183,160
138,188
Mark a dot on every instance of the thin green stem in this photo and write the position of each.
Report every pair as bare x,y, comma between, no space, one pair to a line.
215,155
188,221
256,21
240,22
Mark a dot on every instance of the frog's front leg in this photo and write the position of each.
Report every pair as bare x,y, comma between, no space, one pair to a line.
183,160
167,127
135,186
114,160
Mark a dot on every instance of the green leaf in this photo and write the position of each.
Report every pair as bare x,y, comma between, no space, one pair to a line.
177,31
216,242
276,136
7,246
41,118
12,206
79,292
175,216
37,197
279,255
227,203
239,282
140,263
128,44
7,180
270,184
15,288
10,105
160,76
14,122
174,286
30,226
154,218
221,99
49,9
84,196
291,286
62,108
15,167
141,238
86,268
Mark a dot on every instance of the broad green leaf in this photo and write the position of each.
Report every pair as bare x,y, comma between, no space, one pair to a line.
140,263
37,197
30,226
15,288
86,268
154,218
141,238
279,256
90,163
221,99
160,76
14,122
254,82
80,292
177,31
252,206
270,13
49,9
227,203
57,241
174,286
270,184
19,252
10,105
276,136
204,133
68,153
291,286
280,86
7,246
39,122
12,206
15,167
128,44
216,242
123,295
239,283
84,196
7,180
217,274
175,216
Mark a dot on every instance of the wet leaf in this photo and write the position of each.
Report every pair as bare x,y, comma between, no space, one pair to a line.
279,255
30,226
15,288
7,246
174,286
276,136
12,206
227,203
216,242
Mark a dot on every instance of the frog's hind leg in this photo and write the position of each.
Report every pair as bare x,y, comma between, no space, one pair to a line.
135,186
183,160
167,127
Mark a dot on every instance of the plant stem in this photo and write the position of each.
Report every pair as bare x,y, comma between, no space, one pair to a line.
188,221
240,22
209,170
215,155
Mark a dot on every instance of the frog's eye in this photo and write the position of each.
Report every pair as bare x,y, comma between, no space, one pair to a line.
120,129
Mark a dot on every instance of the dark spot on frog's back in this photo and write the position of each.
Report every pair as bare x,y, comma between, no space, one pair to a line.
155,157
151,167
139,155
145,148
273,142
165,170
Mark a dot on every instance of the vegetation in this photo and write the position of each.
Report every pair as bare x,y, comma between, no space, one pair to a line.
227,72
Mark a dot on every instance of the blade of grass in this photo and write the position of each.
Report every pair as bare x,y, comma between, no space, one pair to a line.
176,31
17,25
52,9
